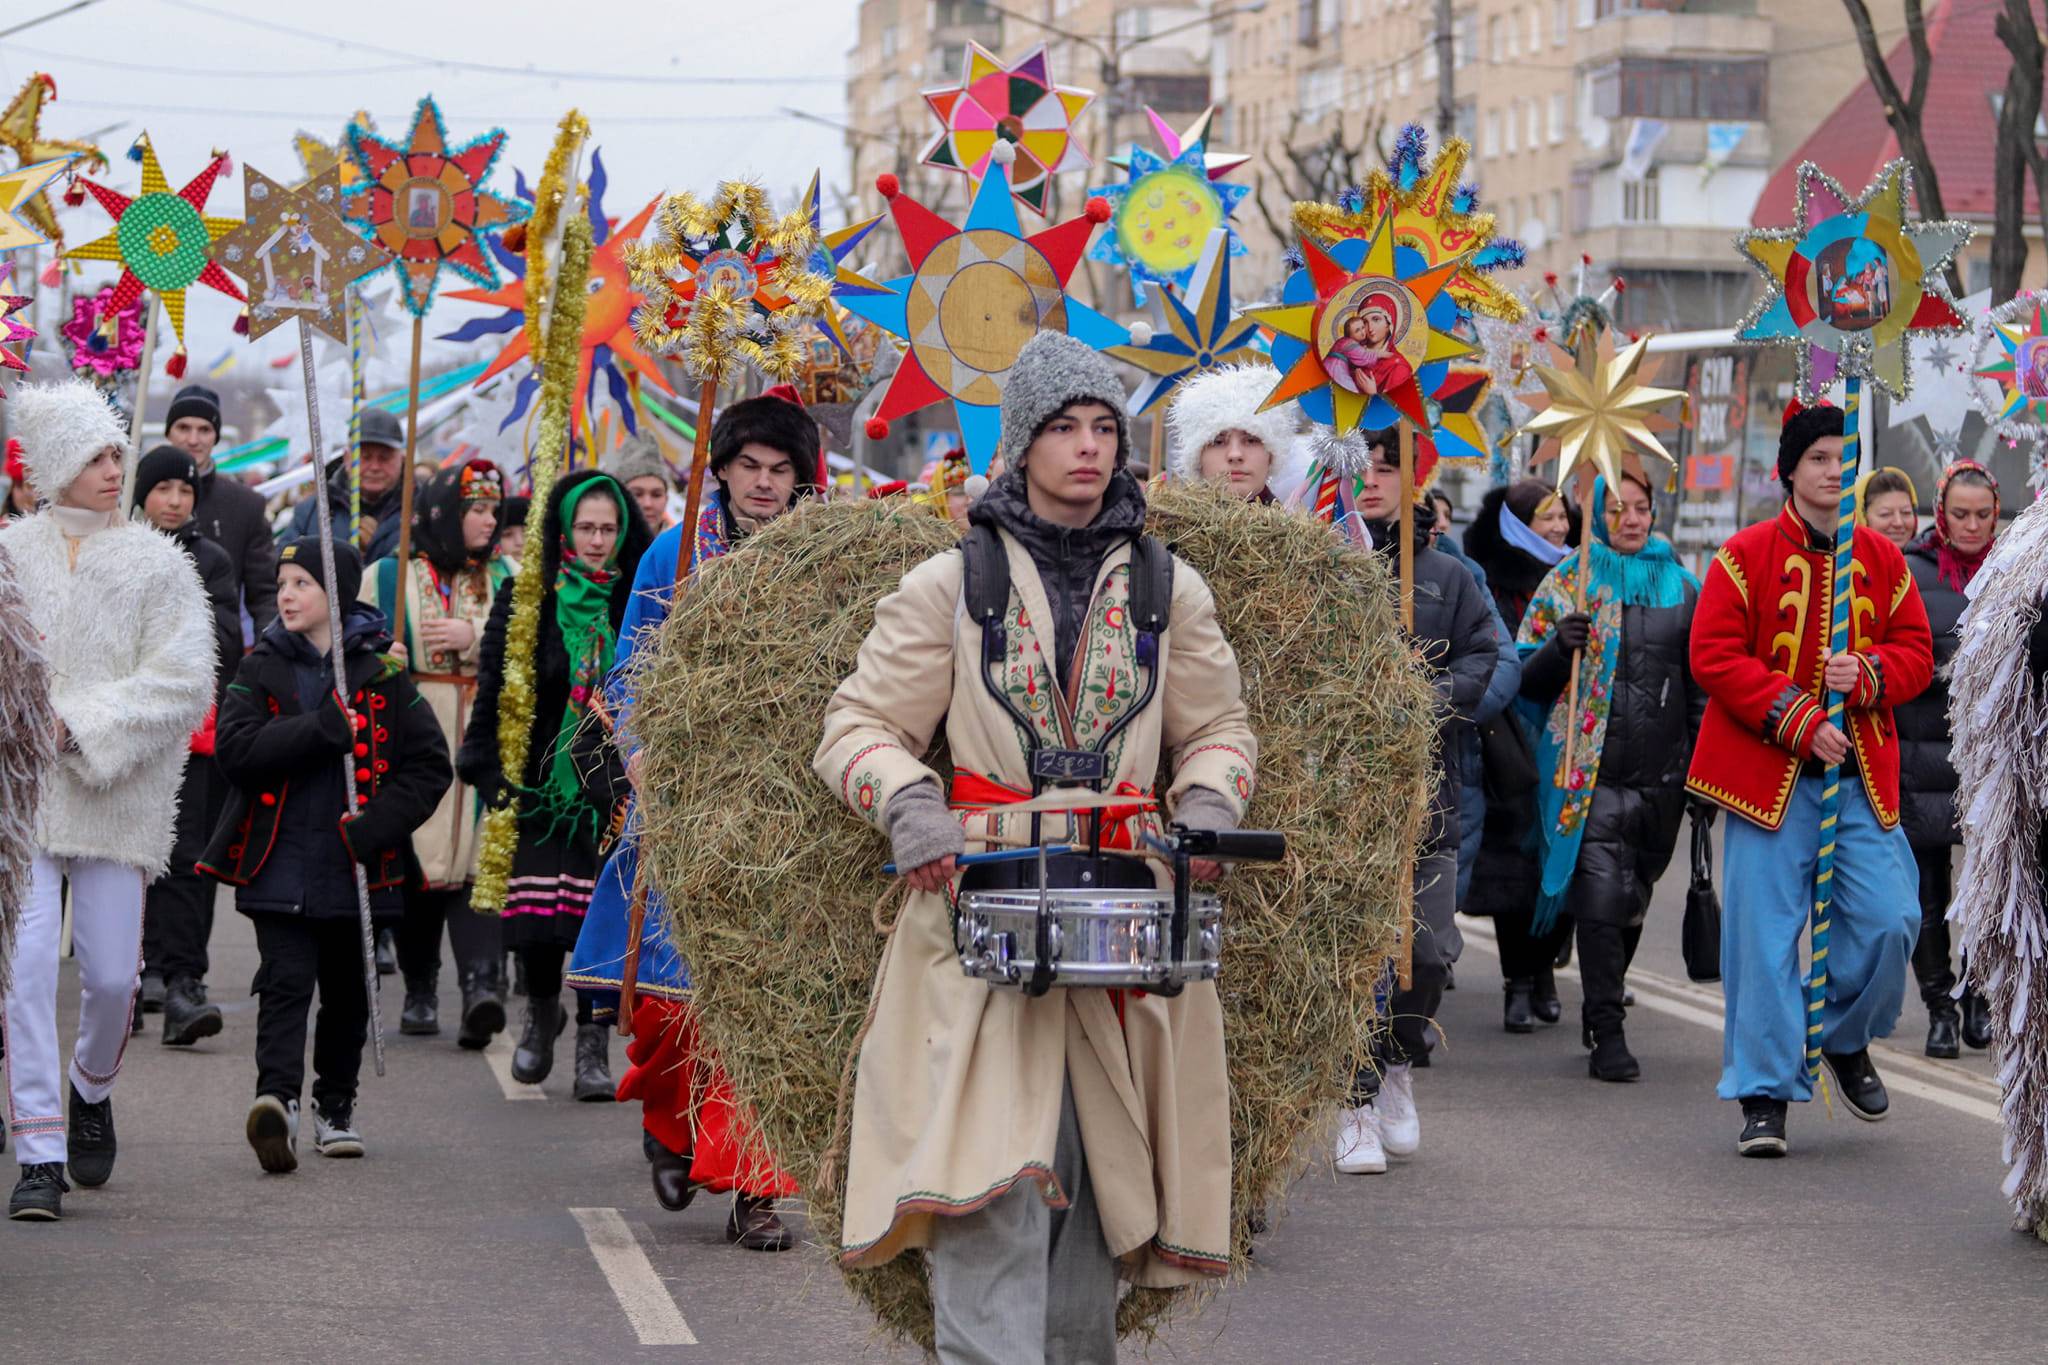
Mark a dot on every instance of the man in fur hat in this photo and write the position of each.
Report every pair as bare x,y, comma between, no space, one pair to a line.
1039,1146
638,464
1760,649
129,639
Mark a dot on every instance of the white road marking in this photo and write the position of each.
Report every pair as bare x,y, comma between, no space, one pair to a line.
656,1319
498,1056
1965,1092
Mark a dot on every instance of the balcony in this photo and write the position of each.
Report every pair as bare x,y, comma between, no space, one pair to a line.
1652,34
1601,143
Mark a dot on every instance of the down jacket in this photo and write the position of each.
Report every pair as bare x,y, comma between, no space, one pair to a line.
129,639
1463,738
1927,780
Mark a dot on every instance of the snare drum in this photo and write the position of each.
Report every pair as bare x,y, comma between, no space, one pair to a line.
1105,937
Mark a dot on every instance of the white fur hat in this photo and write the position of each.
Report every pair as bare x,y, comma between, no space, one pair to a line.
62,427
1227,399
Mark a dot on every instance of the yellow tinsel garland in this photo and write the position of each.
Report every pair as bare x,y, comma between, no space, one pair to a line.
549,194
559,361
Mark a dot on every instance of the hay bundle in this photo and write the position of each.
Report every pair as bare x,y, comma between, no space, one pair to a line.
780,881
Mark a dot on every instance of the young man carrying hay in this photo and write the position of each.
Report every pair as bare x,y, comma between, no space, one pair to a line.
1039,1146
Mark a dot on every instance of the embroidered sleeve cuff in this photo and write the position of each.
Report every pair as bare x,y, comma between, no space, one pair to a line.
1869,682
1800,716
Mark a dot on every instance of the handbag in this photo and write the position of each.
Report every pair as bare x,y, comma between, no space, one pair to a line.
1701,935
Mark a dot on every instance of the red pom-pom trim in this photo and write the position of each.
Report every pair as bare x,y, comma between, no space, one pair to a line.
513,238
242,323
888,185
1795,407
175,366
1620,285
1585,258
876,428
1550,278
1098,210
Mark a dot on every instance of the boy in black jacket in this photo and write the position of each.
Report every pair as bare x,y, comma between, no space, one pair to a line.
288,844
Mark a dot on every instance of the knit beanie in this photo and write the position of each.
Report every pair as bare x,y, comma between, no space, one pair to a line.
194,400
348,566
638,458
1801,430
62,427
1221,400
1052,371
164,462
773,420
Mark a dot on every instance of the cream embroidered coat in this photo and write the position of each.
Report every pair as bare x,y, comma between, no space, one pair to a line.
957,1095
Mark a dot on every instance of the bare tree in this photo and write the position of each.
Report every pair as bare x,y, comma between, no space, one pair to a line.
1320,168
1903,109
2017,151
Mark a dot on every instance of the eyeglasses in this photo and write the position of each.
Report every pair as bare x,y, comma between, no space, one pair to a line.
595,528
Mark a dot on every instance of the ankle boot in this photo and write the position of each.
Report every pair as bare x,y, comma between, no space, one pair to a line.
387,952
1976,1020
593,1065
1543,1001
1611,1059
187,1015
534,1057
483,1007
421,1016
1942,1021
1515,1014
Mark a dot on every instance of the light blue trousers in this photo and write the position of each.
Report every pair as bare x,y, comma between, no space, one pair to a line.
1766,903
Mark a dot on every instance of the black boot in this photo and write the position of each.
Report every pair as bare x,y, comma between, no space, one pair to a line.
39,1195
187,1015
1611,1059
594,1083
153,989
754,1225
483,1008
1942,1019
1976,1020
671,1173
1543,1001
1515,1013
534,1057
421,1016
91,1140
387,952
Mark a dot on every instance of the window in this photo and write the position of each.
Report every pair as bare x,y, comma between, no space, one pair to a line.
1429,62
1639,199
1582,201
1560,24
1489,144
1556,118
1513,28
1496,41
1464,39
891,40
1508,131
1465,121
1555,222
1529,112
1401,76
1535,29
1318,91
1649,87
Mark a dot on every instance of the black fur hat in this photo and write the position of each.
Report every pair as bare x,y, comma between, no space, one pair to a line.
1801,430
773,421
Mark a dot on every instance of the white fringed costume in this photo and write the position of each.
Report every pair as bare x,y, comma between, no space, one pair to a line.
1999,715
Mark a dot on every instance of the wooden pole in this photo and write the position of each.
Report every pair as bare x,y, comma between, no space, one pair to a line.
412,437
1158,460
1571,708
141,416
1407,528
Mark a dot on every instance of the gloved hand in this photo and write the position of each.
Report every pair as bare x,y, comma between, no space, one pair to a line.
1573,631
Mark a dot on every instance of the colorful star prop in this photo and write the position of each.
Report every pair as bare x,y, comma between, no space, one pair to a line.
1018,104
295,254
21,193
1599,409
1218,164
13,333
1850,279
104,343
1198,331
162,240
426,204
608,345
1161,217
1434,215
979,292
21,133
829,259
2011,369
1346,374
728,281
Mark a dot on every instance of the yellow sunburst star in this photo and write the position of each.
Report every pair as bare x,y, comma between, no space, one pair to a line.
21,133
1598,409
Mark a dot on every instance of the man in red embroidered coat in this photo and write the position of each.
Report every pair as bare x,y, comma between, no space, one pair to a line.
1760,648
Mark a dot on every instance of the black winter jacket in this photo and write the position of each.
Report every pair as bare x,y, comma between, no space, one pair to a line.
217,574
236,518
1927,780
286,842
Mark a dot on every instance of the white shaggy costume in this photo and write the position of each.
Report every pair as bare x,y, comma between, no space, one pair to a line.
129,642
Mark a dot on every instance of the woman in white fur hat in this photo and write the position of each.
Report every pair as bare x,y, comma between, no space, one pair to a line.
1217,433
129,637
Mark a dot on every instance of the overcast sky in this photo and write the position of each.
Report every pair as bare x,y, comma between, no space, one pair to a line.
679,93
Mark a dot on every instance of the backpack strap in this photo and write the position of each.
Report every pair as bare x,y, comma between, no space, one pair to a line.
985,588
1151,595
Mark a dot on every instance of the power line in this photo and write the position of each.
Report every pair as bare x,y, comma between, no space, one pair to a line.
158,68
301,115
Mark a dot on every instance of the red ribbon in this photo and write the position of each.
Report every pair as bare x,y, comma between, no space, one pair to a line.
972,791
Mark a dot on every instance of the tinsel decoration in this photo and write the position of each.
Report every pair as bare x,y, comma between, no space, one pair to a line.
2009,374
549,194
13,333
726,281
28,732
561,356
104,341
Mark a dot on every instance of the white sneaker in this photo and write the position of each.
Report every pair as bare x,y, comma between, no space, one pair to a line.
1400,1125
336,1136
1358,1143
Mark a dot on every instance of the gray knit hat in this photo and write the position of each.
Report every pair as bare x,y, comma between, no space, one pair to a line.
1051,371
638,458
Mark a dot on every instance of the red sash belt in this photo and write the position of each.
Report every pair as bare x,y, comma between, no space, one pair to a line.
974,792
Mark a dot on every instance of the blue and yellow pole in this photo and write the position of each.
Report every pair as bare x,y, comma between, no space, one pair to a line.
1831,778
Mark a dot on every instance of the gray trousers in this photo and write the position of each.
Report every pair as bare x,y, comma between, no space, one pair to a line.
1021,1283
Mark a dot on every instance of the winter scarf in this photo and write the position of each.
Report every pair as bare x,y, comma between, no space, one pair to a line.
1651,577
1955,567
583,604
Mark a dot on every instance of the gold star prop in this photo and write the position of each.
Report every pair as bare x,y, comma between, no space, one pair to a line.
21,133
317,156
295,254
1599,409
21,194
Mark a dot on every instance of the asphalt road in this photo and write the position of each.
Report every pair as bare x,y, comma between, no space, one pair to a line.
1547,1217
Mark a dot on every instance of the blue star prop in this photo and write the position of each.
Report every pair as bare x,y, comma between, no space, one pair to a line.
1162,215
1200,333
